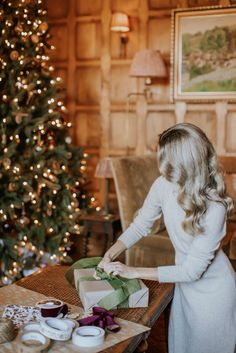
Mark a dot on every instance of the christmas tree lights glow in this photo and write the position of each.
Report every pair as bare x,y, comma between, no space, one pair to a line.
42,176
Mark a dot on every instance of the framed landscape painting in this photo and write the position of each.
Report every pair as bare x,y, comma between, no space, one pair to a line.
204,54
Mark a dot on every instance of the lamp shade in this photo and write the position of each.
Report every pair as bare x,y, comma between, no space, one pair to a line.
103,169
148,63
120,22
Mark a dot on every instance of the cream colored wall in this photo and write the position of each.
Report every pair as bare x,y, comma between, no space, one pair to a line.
97,83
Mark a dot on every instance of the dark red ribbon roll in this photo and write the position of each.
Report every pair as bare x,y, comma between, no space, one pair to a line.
101,318
59,308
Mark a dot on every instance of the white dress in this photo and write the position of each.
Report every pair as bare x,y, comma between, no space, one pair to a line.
203,312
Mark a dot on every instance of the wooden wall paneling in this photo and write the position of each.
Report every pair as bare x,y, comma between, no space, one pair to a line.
59,11
205,120
59,39
88,129
198,3
180,111
88,85
230,140
88,7
105,104
157,122
158,4
160,26
88,40
221,112
141,105
129,7
121,84
123,131
81,129
63,74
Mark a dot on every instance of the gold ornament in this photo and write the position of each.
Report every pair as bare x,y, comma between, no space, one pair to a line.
19,27
56,167
52,145
11,187
43,26
35,38
23,221
4,139
49,212
19,116
14,55
30,95
6,163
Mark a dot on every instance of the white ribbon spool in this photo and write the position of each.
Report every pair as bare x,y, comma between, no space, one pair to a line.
88,336
56,329
24,342
32,326
71,323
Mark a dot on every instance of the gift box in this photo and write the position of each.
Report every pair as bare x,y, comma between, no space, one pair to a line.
111,292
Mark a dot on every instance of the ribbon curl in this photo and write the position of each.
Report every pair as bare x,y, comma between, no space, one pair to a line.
101,318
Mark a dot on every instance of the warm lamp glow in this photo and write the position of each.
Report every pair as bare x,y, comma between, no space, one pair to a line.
103,169
148,63
120,22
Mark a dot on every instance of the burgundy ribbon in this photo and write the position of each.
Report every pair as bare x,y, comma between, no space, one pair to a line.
101,318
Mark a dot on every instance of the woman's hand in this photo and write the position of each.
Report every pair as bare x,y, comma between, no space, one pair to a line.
117,268
112,253
105,260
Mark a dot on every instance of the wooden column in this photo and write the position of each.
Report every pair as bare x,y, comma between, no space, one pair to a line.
180,111
105,78
142,105
221,112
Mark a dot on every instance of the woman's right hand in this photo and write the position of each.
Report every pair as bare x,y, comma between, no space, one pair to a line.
105,260
112,253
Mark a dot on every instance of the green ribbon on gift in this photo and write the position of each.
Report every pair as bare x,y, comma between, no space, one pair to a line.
123,287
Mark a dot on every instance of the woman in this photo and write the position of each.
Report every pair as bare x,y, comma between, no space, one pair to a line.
191,195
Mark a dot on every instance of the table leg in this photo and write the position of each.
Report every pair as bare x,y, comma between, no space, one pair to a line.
85,240
166,318
143,347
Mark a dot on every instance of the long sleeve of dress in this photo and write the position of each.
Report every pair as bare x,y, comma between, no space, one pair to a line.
148,214
202,249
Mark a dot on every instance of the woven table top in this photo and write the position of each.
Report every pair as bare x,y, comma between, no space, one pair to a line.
51,282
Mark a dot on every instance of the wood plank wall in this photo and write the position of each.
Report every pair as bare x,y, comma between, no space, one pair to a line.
97,82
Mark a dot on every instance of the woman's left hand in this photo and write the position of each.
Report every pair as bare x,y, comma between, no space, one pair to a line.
117,268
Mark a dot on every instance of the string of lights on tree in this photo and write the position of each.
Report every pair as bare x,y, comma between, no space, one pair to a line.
42,175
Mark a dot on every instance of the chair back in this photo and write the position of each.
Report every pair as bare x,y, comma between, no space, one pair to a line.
133,177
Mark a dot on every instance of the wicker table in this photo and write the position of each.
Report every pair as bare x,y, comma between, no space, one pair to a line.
51,282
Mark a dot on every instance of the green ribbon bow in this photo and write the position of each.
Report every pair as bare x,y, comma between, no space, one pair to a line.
123,287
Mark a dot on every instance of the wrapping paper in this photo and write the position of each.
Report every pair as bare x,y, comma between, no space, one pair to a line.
93,292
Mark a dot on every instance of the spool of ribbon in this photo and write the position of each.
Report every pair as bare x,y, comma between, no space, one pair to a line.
52,307
7,330
123,287
31,326
57,329
101,318
31,342
88,336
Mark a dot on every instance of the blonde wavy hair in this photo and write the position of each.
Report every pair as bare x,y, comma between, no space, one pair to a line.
187,157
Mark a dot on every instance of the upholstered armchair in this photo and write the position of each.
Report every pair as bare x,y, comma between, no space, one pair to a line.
133,177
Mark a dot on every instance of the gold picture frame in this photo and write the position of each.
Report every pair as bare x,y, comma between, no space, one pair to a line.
203,55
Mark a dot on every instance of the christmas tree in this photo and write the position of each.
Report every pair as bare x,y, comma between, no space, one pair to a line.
42,176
